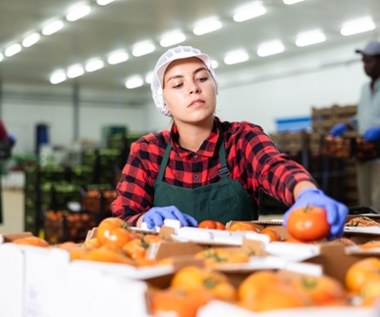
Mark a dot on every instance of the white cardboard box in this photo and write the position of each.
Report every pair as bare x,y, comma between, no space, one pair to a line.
11,281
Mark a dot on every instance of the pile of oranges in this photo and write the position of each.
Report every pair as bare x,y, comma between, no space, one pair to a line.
194,286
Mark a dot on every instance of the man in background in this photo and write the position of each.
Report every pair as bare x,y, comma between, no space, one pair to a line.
367,124
7,141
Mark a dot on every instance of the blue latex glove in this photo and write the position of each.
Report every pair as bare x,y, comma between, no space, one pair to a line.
155,217
372,134
12,139
336,212
338,129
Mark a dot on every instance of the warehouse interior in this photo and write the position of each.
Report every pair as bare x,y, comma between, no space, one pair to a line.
75,95
67,90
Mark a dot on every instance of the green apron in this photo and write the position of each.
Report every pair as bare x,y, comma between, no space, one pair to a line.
223,201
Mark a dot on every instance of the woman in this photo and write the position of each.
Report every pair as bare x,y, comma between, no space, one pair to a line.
205,168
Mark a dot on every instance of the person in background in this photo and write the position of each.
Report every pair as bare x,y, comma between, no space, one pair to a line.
7,141
367,123
203,167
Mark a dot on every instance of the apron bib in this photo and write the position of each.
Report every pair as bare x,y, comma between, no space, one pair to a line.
223,201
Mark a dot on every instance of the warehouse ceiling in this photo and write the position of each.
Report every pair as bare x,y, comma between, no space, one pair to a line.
121,24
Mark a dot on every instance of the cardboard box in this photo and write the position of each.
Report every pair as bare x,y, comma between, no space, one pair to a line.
12,277
224,309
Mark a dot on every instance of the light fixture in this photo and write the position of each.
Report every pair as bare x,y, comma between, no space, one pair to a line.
143,48
94,64
172,38
134,82
31,39
75,71
310,38
117,57
52,27
57,77
148,77
207,26
270,48
357,26
103,2
214,64
1,57
13,50
78,12
235,57
290,2
249,12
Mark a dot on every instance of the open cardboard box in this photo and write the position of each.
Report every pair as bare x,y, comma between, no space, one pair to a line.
9,237
224,309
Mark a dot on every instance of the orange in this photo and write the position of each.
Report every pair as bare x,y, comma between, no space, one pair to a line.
242,226
272,233
322,290
193,278
308,223
360,272
32,240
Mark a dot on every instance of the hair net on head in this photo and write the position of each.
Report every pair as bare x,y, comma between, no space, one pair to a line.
162,64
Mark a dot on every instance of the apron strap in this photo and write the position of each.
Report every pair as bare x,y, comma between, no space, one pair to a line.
223,171
164,162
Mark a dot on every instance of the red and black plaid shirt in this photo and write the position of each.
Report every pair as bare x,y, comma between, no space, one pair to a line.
252,159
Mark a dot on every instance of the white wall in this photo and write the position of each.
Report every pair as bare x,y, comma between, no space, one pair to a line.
264,102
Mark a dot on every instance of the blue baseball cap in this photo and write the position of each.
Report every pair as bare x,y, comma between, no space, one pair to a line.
371,49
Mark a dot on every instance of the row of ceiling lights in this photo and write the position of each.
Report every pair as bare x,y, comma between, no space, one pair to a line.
242,14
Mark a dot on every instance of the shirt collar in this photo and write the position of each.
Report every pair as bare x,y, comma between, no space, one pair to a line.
208,147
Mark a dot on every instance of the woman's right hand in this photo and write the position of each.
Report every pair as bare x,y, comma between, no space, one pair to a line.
156,216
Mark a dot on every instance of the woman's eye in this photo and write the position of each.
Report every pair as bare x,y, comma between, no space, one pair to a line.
177,85
202,79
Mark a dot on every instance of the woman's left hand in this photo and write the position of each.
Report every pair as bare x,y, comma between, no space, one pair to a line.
336,212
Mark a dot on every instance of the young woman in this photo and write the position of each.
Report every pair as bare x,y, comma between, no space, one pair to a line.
205,168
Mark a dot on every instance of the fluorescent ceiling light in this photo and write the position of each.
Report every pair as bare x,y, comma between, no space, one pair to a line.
31,39
357,26
103,2
117,57
134,82
249,12
207,26
78,12
290,2
143,48
57,77
75,71
1,57
172,38
235,57
270,48
310,38
13,50
52,27
214,64
94,64
148,77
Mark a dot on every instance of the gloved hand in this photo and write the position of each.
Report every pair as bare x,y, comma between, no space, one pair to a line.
336,212
155,217
12,139
338,129
372,134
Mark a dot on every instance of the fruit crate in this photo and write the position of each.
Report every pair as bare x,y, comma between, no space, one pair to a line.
323,119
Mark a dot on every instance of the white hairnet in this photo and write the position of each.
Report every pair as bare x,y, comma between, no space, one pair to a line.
163,62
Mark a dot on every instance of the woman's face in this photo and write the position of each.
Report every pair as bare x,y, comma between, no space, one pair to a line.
189,90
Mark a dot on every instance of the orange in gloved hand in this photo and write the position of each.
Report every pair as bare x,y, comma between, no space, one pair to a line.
308,223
